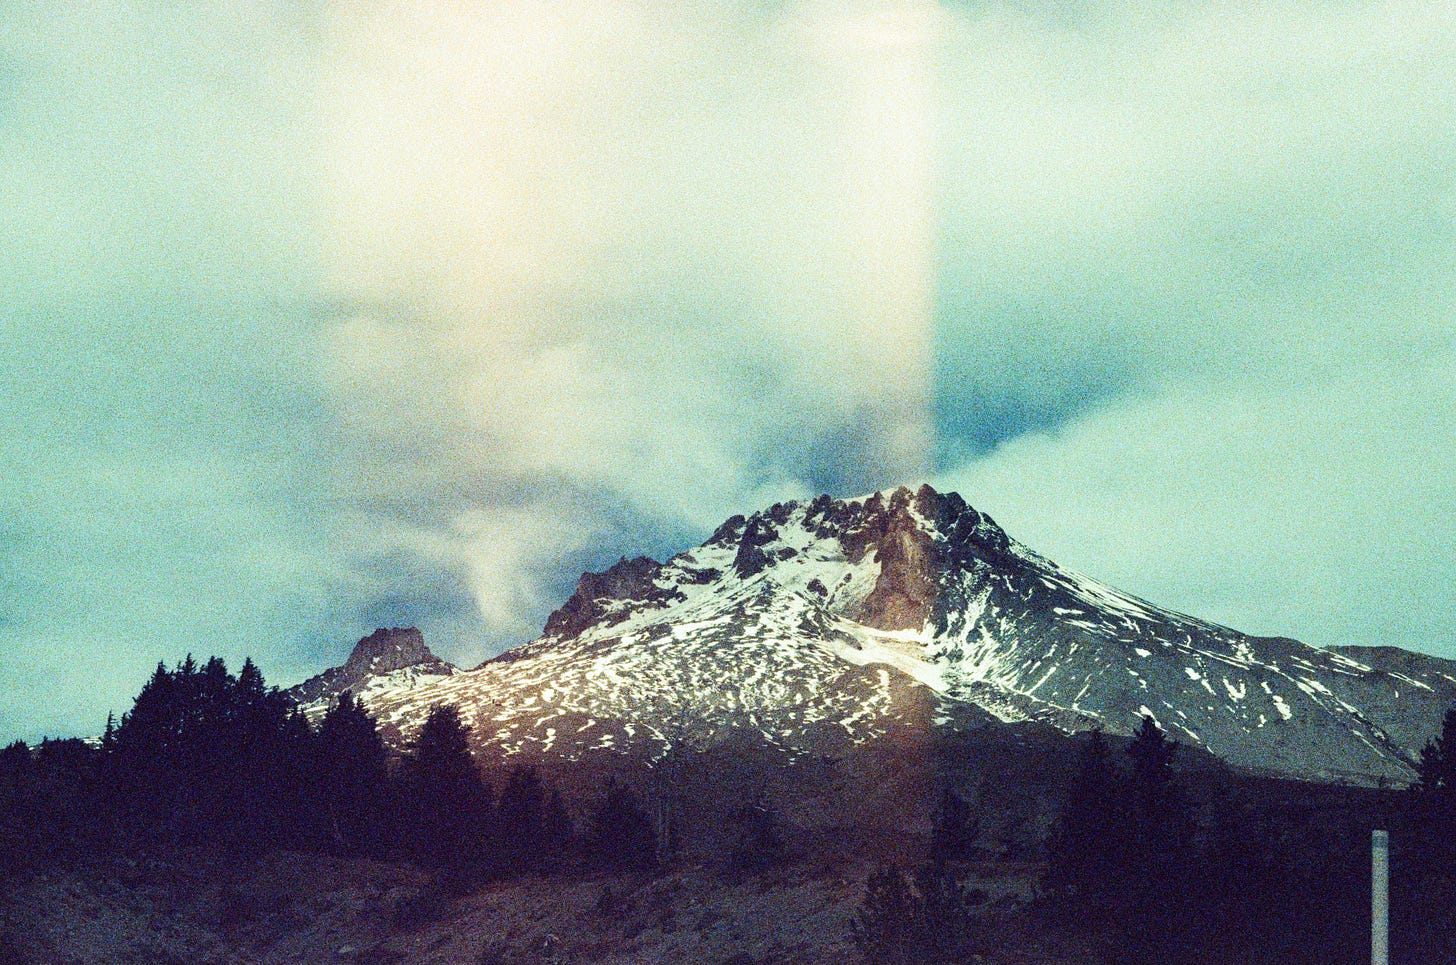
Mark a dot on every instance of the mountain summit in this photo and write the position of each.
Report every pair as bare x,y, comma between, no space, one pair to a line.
819,624
386,660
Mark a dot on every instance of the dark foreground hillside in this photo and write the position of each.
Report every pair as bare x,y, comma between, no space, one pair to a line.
289,907
215,824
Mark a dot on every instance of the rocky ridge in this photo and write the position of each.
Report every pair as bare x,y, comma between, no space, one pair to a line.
387,661
816,626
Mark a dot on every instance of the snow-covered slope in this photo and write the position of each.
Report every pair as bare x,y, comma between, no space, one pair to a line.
813,626
384,665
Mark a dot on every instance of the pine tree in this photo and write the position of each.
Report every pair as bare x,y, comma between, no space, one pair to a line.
351,757
301,802
620,835
202,758
557,827
451,799
946,909
956,825
1157,872
15,768
17,817
928,922
1424,850
1088,846
756,840
260,746
885,926
519,817
148,757
1435,785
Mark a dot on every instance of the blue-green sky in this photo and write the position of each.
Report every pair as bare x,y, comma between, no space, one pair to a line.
316,317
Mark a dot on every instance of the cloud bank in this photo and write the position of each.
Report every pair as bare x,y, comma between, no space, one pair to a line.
328,316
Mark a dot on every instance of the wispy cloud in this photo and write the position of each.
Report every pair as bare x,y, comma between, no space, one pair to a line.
320,316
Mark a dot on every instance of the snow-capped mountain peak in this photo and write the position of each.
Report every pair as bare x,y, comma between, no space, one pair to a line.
386,662
815,624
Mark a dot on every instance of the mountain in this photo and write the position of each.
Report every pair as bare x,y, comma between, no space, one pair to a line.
812,628
386,663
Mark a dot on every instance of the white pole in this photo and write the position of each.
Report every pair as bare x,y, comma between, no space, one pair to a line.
1380,898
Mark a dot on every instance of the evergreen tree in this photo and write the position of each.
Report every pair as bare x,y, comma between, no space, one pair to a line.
18,845
1088,845
956,825
946,909
261,742
451,799
557,827
928,922
1155,873
201,757
15,768
620,835
148,757
756,840
351,758
1436,770
1252,904
1423,851
885,927
302,805
519,816
61,797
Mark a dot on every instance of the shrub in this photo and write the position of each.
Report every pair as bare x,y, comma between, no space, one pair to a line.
929,921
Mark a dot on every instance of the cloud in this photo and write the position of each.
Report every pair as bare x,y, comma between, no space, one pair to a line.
156,420
329,315
1194,334
674,260
1314,512
1159,194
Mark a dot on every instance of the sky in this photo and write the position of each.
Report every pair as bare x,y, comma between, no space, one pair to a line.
317,317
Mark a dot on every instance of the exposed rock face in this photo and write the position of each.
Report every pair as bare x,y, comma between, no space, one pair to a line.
599,595
387,650
813,626
385,659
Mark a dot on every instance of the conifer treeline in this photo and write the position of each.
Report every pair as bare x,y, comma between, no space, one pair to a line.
1161,877
206,758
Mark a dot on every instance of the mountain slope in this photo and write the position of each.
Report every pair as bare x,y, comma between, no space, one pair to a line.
816,626
386,663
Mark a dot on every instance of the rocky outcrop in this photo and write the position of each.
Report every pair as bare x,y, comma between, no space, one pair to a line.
385,653
598,595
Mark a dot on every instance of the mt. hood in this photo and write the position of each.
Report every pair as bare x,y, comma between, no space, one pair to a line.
814,626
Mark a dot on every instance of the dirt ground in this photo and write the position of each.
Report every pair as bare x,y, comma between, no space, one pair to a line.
295,908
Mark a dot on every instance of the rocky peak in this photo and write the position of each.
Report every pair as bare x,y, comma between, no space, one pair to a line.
624,580
916,536
383,652
389,649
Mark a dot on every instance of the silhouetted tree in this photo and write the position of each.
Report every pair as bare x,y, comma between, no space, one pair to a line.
1436,770
450,798
1423,853
756,841
928,922
204,757
519,817
557,827
956,825
18,846
1089,843
620,834
15,768
885,928
352,769
1154,873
